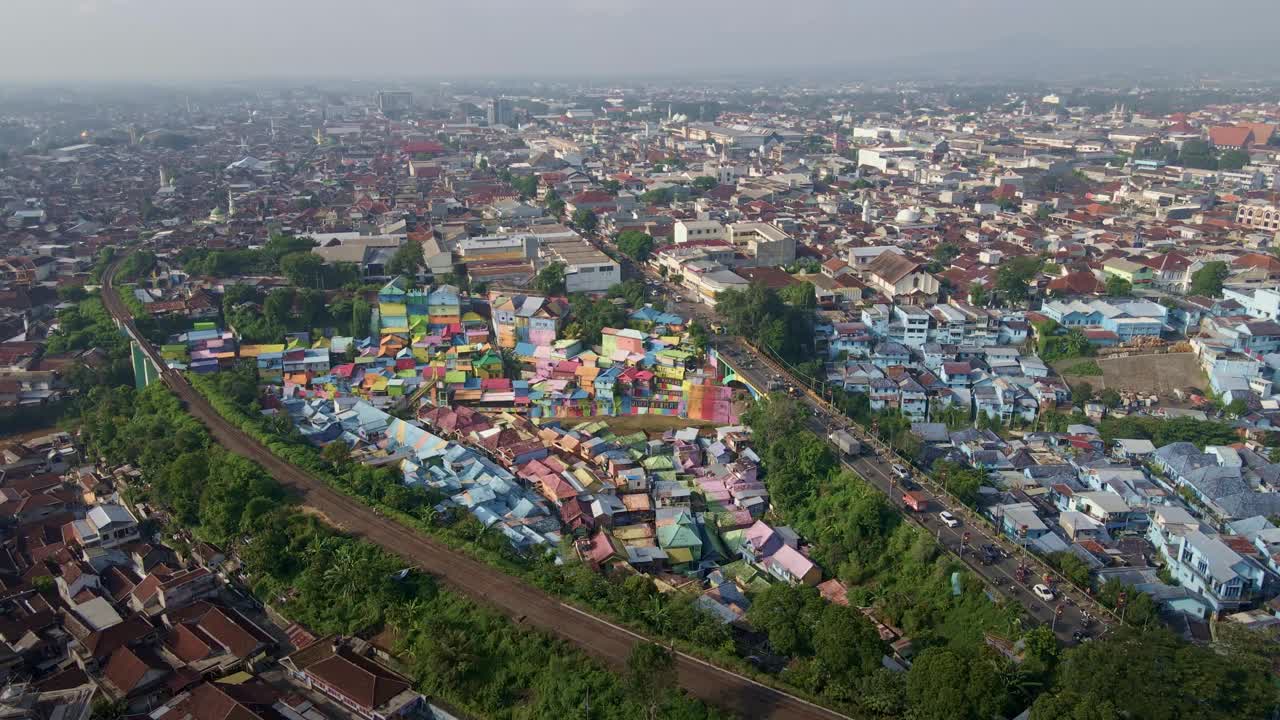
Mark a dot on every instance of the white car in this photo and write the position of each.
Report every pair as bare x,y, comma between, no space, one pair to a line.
949,519
901,472
1043,592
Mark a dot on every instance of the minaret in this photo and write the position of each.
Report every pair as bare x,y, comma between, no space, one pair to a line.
164,178
231,205
866,207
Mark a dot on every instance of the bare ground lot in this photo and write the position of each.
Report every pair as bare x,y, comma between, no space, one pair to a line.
1159,374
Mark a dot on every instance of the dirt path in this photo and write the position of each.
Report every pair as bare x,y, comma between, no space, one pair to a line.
520,601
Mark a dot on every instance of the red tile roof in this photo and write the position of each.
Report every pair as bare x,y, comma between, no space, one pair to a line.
1234,137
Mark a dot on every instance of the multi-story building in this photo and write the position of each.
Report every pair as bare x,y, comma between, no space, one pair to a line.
910,325
586,269
1127,320
901,280
532,319
686,230
948,325
500,112
1259,214
106,527
766,243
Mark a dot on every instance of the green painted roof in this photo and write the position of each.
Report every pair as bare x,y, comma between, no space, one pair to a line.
676,535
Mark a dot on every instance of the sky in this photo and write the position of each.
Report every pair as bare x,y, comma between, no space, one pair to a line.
228,40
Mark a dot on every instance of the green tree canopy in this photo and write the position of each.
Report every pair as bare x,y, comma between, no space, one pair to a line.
550,279
1208,280
303,269
704,183
1118,286
407,260
585,220
635,244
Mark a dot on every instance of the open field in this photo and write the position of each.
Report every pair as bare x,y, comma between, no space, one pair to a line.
1159,374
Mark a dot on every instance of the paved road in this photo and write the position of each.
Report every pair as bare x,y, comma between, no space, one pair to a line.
877,469
516,599
1001,574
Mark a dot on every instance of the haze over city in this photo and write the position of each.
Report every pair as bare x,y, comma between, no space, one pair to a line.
144,40
584,360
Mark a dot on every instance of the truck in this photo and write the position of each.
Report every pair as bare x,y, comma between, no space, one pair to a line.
847,443
915,500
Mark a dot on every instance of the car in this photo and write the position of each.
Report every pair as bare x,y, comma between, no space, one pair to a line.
951,520
901,472
1044,592
1080,636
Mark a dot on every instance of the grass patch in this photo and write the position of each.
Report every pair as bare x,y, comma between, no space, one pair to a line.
1084,368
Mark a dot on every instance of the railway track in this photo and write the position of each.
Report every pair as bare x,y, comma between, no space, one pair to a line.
518,600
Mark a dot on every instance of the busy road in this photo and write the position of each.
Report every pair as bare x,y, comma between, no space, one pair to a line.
1007,569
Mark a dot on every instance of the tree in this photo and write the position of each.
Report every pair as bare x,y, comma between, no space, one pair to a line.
336,453
943,254
659,196
1197,154
550,279
631,290
278,306
978,295
635,244
526,185
105,709
848,645
1110,397
1118,286
761,314
1071,567
651,674
704,183
72,293
1081,394
1154,674
1014,276
585,220
788,614
942,685
303,269
1233,159
800,295
1208,280
963,482
407,260
553,203
361,316
698,336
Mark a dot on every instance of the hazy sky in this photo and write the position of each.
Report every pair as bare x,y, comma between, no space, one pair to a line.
235,39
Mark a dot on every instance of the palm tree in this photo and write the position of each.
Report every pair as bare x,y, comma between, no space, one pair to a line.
658,616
